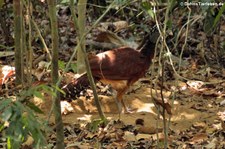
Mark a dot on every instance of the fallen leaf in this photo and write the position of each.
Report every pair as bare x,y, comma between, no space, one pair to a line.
198,138
129,136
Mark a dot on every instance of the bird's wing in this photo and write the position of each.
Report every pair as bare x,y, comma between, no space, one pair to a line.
119,64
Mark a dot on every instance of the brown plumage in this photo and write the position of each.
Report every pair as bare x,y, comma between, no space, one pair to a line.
119,67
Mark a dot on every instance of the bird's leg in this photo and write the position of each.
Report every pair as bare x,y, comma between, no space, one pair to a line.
121,102
118,103
120,98
119,106
126,110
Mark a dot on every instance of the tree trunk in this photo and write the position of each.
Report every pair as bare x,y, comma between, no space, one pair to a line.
55,45
18,41
81,26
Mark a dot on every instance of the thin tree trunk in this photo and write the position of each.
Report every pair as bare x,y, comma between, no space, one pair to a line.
29,49
18,41
83,63
55,45
81,25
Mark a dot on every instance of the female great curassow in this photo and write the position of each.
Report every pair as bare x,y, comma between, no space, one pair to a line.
119,67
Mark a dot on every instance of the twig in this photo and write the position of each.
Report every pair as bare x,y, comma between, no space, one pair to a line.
42,39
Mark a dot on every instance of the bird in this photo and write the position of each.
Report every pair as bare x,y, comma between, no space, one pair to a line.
120,68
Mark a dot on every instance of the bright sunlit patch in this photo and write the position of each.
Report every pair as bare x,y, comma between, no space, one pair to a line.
147,107
66,107
86,117
183,88
184,116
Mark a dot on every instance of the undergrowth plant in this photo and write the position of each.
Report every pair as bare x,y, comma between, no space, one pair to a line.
19,120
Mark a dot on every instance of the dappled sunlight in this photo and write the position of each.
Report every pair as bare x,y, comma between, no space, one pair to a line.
85,117
183,116
184,113
141,106
147,107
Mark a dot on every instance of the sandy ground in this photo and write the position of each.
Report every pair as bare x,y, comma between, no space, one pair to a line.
184,111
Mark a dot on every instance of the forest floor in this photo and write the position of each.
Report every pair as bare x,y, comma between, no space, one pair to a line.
196,120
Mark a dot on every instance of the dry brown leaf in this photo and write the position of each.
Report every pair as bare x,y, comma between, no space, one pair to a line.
199,125
194,84
115,26
29,141
143,136
129,136
119,25
198,138
149,130
222,119
110,37
156,93
165,105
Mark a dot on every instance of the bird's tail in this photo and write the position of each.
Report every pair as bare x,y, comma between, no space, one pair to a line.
75,87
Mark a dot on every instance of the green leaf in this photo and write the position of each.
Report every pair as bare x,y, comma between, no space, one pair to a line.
169,24
5,103
48,90
19,106
34,107
67,2
208,21
219,16
148,8
38,94
9,146
73,66
22,119
121,2
151,13
1,3
7,114
62,64
172,4
1,126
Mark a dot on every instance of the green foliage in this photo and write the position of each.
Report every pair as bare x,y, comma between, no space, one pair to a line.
37,91
20,121
121,2
1,3
209,19
73,67
213,15
219,16
148,8
18,118
64,1
62,66
94,125
119,5
67,1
